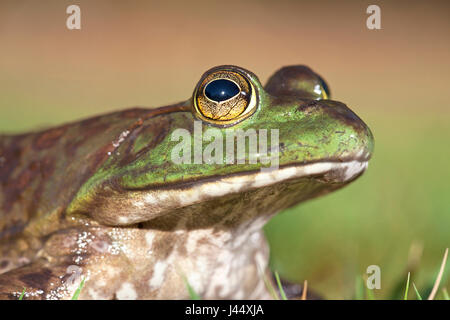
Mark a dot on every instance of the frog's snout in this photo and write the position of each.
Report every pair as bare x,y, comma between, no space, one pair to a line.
350,135
360,134
323,131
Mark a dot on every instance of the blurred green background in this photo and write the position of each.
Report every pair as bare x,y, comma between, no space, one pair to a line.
151,54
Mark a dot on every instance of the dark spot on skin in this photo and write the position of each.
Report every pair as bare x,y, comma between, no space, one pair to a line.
26,176
204,241
36,279
308,107
15,228
71,147
4,264
37,171
10,151
49,138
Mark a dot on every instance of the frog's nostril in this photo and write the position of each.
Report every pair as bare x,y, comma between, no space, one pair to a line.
221,90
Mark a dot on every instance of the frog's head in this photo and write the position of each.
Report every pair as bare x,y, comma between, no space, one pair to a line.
180,169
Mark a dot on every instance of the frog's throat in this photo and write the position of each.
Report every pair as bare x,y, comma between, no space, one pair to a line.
145,205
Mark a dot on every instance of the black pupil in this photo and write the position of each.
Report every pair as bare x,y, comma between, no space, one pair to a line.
221,90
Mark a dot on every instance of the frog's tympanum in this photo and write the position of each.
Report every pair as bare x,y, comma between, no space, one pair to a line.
107,200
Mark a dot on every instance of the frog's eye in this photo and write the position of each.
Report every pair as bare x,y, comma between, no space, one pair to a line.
224,97
298,80
324,89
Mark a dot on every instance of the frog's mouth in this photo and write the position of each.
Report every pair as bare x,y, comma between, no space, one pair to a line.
338,173
286,186
332,172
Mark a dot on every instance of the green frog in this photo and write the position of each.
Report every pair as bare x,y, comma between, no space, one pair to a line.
142,203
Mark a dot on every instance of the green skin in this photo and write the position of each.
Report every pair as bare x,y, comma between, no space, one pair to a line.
100,199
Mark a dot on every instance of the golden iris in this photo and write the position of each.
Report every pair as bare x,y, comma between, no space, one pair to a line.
224,97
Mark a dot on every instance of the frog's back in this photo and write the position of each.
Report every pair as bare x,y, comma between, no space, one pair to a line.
40,172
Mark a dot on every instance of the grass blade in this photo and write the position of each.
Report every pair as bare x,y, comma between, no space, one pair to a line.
369,294
77,292
412,265
407,287
270,287
417,292
280,287
305,290
359,288
439,277
192,294
22,294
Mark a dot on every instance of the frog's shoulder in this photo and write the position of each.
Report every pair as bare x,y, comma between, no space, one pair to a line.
41,170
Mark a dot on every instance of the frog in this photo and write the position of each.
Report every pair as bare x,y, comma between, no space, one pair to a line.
105,207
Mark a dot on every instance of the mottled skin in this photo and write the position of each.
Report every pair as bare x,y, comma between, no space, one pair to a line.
101,199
